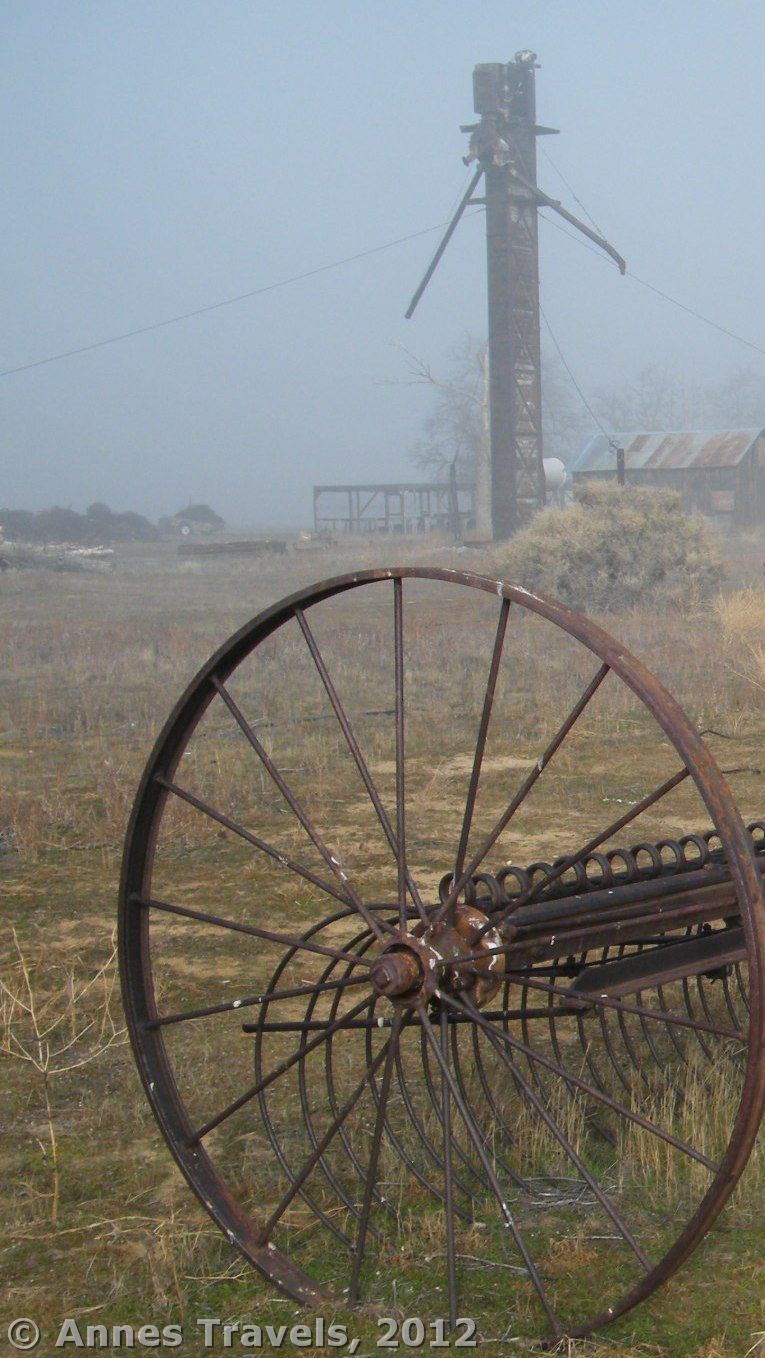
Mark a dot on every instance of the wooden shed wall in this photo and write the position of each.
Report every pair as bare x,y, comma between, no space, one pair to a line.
738,491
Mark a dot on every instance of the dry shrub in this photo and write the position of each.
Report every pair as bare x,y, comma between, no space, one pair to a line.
741,616
615,548
57,1033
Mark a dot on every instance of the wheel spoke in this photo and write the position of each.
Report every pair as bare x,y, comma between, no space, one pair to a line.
480,746
477,1141
588,1001
595,1093
329,1075
427,1145
525,788
219,922
374,1157
355,750
235,828
333,863
265,1233
571,861
564,1142
327,1217
184,1015
458,1153
446,1120
280,1070
398,646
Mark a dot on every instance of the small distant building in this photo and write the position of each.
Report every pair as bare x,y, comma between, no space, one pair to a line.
719,473
194,519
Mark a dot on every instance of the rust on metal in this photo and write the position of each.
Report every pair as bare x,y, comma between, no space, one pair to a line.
434,1015
678,451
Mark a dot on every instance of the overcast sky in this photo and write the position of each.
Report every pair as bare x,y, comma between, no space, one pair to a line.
163,155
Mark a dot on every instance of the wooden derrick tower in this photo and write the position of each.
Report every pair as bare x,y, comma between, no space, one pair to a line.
503,145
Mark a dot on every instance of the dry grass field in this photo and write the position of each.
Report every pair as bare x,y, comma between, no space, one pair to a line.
98,1223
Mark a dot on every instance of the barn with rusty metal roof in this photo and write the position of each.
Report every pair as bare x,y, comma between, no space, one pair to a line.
718,473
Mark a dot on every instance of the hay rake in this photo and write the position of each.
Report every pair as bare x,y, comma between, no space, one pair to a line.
393,1077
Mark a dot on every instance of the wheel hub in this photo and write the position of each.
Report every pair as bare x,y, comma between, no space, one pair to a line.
454,956
407,972
461,937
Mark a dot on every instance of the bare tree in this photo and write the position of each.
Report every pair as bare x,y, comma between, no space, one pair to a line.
456,432
566,423
740,399
659,398
656,399
454,428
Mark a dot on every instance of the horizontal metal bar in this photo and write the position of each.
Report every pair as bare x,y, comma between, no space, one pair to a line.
558,910
659,966
386,1021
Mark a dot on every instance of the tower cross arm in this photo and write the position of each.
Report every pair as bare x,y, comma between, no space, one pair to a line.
544,200
449,232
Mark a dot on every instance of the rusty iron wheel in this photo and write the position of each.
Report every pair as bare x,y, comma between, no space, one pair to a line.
411,1053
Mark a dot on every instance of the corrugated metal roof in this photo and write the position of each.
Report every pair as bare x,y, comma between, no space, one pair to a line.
673,451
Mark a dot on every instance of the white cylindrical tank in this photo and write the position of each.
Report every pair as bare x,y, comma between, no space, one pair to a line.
555,473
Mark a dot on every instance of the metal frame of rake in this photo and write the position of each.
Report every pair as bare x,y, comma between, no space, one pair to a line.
455,1001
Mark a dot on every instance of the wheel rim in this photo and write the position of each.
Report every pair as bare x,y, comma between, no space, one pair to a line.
443,1096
